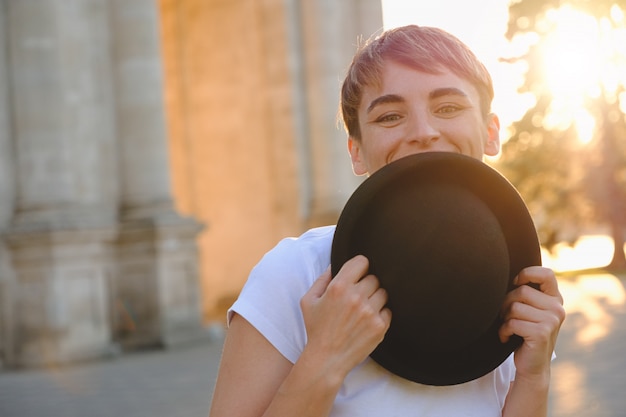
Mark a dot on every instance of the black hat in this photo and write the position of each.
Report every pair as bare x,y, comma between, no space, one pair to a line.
446,235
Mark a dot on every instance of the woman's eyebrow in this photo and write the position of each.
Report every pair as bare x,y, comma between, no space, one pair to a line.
387,98
394,98
447,91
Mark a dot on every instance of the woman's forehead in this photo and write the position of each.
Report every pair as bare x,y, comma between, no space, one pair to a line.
404,82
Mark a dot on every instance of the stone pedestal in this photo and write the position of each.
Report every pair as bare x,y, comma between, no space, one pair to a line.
157,297
59,303
7,286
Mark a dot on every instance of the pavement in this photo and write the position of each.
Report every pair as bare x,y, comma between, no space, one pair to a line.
588,380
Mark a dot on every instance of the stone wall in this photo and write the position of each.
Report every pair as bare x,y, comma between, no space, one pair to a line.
86,186
252,93
151,152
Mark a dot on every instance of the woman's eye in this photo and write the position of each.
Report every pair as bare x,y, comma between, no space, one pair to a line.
450,108
391,117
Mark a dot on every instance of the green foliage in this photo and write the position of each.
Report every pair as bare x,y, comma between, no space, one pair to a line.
567,184
547,169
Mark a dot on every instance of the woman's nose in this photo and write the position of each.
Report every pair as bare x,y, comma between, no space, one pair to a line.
423,132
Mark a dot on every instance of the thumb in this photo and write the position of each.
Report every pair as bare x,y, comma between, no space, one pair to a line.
321,283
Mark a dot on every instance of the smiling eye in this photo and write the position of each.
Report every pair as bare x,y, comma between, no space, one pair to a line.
449,108
390,117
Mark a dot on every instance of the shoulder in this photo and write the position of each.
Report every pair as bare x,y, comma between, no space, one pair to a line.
270,299
309,251
318,239
301,258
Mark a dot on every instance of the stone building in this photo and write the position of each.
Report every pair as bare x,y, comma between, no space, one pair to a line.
151,152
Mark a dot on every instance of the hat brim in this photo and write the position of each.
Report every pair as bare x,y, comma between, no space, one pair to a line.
367,216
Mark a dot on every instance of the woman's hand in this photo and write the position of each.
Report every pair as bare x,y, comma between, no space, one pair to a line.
536,315
345,316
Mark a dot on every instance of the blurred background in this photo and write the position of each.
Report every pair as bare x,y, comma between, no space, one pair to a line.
152,151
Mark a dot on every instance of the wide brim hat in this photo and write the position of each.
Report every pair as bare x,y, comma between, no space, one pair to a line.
446,235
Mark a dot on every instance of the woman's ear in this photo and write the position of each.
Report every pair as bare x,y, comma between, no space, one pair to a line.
358,165
492,146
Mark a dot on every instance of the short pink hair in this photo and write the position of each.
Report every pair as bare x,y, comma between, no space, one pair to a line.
425,49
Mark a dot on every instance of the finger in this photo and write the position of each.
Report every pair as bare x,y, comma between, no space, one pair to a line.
353,270
368,285
386,315
523,311
544,277
512,327
530,296
378,299
526,320
319,286
544,331
517,327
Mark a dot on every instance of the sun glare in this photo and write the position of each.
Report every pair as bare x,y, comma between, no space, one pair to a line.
585,125
583,57
570,57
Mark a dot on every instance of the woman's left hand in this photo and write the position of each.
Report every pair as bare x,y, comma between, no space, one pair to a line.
536,315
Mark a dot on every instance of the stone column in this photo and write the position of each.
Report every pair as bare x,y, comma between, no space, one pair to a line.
328,31
61,233
157,290
7,200
7,176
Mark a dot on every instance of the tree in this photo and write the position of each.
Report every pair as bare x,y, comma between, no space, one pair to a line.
578,79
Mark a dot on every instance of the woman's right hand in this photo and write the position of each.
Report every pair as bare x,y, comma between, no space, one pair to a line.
345,316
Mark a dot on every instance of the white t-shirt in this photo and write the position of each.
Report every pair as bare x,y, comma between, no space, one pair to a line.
270,301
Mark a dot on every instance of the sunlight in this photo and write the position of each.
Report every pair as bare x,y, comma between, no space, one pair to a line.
569,383
588,298
486,40
571,57
591,251
582,58
585,125
622,102
591,296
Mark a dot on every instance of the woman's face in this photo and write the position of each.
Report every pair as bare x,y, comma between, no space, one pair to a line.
413,112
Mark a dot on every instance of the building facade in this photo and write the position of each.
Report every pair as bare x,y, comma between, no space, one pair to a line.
151,152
